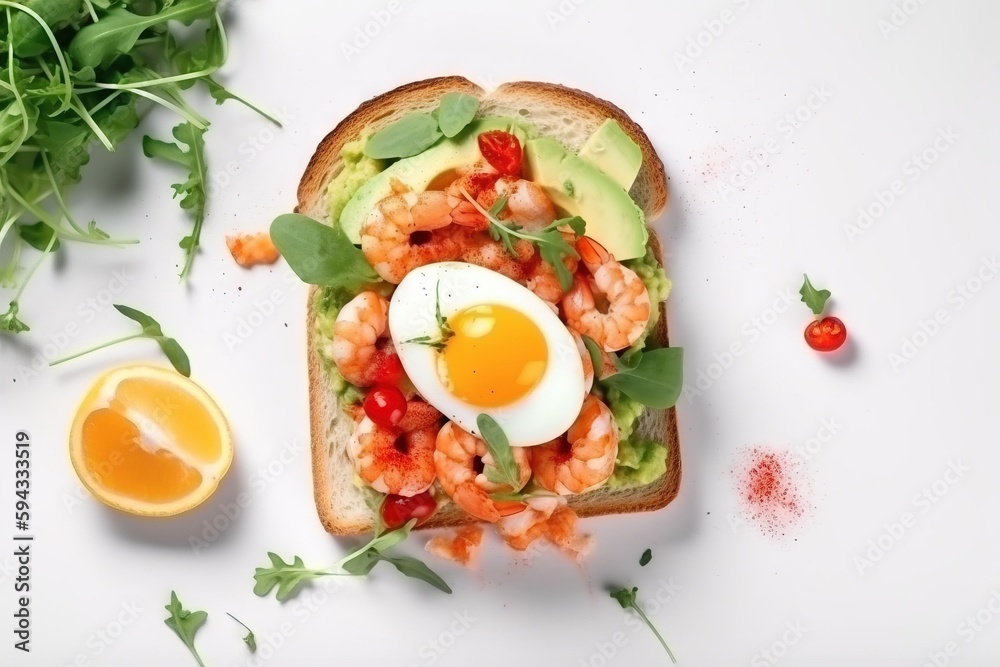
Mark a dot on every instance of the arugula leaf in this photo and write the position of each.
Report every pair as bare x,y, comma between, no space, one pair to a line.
29,37
549,241
626,598
554,247
812,297
38,235
653,378
320,254
118,31
193,189
504,466
407,136
444,330
185,623
363,562
417,569
286,576
455,112
249,640
150,329
647,556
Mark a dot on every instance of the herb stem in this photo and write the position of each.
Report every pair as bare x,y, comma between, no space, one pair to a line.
34,267
96,347
90,10
85,116
238,621
494,221
652,627
148,83
190,117
58,195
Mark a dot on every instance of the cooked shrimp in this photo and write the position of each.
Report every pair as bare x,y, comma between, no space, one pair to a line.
252,249
588,363
527,203
545,517
399,461
359,325
626,314
544,281
584,458
460,459
481,250
405,231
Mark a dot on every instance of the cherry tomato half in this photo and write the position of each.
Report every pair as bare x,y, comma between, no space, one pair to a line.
826,335
397,510
502,150
385,405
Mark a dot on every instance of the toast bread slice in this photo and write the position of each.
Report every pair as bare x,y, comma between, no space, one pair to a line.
565,114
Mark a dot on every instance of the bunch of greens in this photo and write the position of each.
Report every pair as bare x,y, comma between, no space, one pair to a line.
72,73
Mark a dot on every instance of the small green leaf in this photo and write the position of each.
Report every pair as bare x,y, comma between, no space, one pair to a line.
406,137
812,297
653,378
286,576
500,451
417,569
647,556
625,597
9,321
150,327
185,623
320,254
38,236
455,111
363,562
175,354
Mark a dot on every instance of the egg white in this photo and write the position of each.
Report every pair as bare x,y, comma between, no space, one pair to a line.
545,412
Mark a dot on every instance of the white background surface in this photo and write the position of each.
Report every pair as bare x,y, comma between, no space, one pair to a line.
730,255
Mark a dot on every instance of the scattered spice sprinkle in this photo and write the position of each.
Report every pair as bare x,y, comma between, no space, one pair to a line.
772,486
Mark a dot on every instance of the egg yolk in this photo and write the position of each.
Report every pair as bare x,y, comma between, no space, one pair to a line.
495,356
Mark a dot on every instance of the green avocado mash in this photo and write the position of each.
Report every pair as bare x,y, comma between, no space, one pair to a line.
639,461
358,168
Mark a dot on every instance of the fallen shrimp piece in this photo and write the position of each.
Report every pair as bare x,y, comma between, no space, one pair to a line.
252,249
459,547
548,517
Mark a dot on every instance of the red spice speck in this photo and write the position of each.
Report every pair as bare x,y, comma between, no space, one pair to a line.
771,484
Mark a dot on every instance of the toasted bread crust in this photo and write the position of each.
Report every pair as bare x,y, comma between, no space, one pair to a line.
326,163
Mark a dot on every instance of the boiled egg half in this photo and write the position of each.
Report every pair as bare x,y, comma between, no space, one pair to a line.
501,351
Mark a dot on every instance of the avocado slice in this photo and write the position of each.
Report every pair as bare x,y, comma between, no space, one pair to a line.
420,171
614,153
579,188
